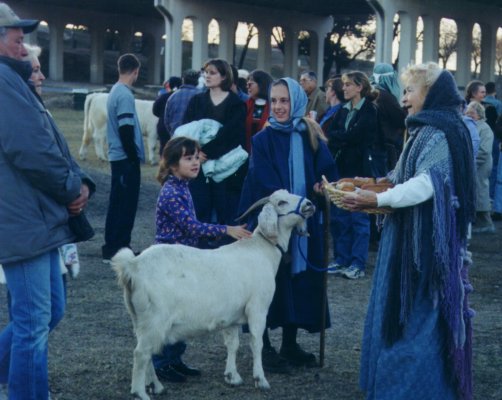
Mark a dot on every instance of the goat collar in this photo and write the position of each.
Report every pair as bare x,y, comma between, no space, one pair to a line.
296,210
273,244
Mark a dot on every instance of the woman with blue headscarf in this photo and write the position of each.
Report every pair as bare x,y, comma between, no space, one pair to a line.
291,154
391,115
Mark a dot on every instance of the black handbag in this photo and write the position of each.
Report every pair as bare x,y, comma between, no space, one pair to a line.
81,228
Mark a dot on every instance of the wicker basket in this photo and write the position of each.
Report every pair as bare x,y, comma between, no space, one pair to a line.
336,196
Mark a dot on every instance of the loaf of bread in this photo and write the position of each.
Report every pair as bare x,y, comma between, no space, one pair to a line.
346,186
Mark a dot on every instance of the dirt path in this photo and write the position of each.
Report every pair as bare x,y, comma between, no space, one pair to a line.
91,350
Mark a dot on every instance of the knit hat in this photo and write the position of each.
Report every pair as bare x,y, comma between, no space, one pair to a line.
9,19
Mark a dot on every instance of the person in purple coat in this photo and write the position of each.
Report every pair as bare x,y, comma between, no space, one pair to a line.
176,223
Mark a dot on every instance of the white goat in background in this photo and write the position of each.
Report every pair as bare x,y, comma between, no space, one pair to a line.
95,119
174,292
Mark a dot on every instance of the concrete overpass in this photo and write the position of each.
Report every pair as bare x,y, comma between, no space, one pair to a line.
154,18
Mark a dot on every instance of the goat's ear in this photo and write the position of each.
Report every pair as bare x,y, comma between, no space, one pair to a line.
267,223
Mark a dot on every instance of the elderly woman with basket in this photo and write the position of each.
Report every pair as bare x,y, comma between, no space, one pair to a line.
417,336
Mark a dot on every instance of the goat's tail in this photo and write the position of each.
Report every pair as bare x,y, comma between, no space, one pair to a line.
87,137
123,267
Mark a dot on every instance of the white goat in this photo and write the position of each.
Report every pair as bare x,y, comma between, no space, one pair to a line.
174,292
95,118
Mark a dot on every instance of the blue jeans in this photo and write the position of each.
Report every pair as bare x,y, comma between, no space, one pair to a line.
171,354
37,305
497,196
493,174
352,244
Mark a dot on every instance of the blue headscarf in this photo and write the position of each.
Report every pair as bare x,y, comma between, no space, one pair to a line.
296,160
298,100
384,77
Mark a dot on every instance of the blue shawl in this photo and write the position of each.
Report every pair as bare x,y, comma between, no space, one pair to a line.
298,101
452,210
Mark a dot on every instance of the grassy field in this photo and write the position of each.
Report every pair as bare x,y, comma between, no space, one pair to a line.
91,350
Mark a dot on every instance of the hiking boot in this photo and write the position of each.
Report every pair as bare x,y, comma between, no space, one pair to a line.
183,369
273,363
354,272
169,374
336,269
298,357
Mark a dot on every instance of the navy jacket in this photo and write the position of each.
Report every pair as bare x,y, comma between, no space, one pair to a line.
352,147
38,176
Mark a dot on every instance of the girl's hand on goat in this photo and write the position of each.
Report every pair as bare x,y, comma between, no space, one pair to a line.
360,199
238,232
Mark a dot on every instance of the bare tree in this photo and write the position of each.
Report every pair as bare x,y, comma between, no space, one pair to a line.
252,32
279,36
476,51
356,27
447,41
498,56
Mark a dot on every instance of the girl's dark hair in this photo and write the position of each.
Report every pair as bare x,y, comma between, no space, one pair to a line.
336,85
471,89
361,79
225,71
263,80
174,149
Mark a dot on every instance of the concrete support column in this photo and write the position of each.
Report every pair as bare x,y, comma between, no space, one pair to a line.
314,54
379,38
408,41
199,47
168,48
319,49
464,52
56,29
488,52
227,39
431,38
157,55
388,28
291,54
97,53
264,61
176,48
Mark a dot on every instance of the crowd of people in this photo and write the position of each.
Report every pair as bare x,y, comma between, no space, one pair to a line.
438,150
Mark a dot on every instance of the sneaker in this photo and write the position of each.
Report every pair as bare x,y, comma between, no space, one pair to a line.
484,229
4,391
298,357
353,272
496,216
336,269
273,363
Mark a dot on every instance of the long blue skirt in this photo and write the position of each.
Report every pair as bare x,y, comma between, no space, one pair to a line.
414,366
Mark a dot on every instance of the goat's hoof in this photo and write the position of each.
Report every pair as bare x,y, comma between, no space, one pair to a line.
261,383
233,379
154,388
136,395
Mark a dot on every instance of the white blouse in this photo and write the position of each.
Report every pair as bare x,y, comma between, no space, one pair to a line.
410,193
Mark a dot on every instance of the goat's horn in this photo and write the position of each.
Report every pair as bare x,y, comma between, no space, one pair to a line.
257,204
